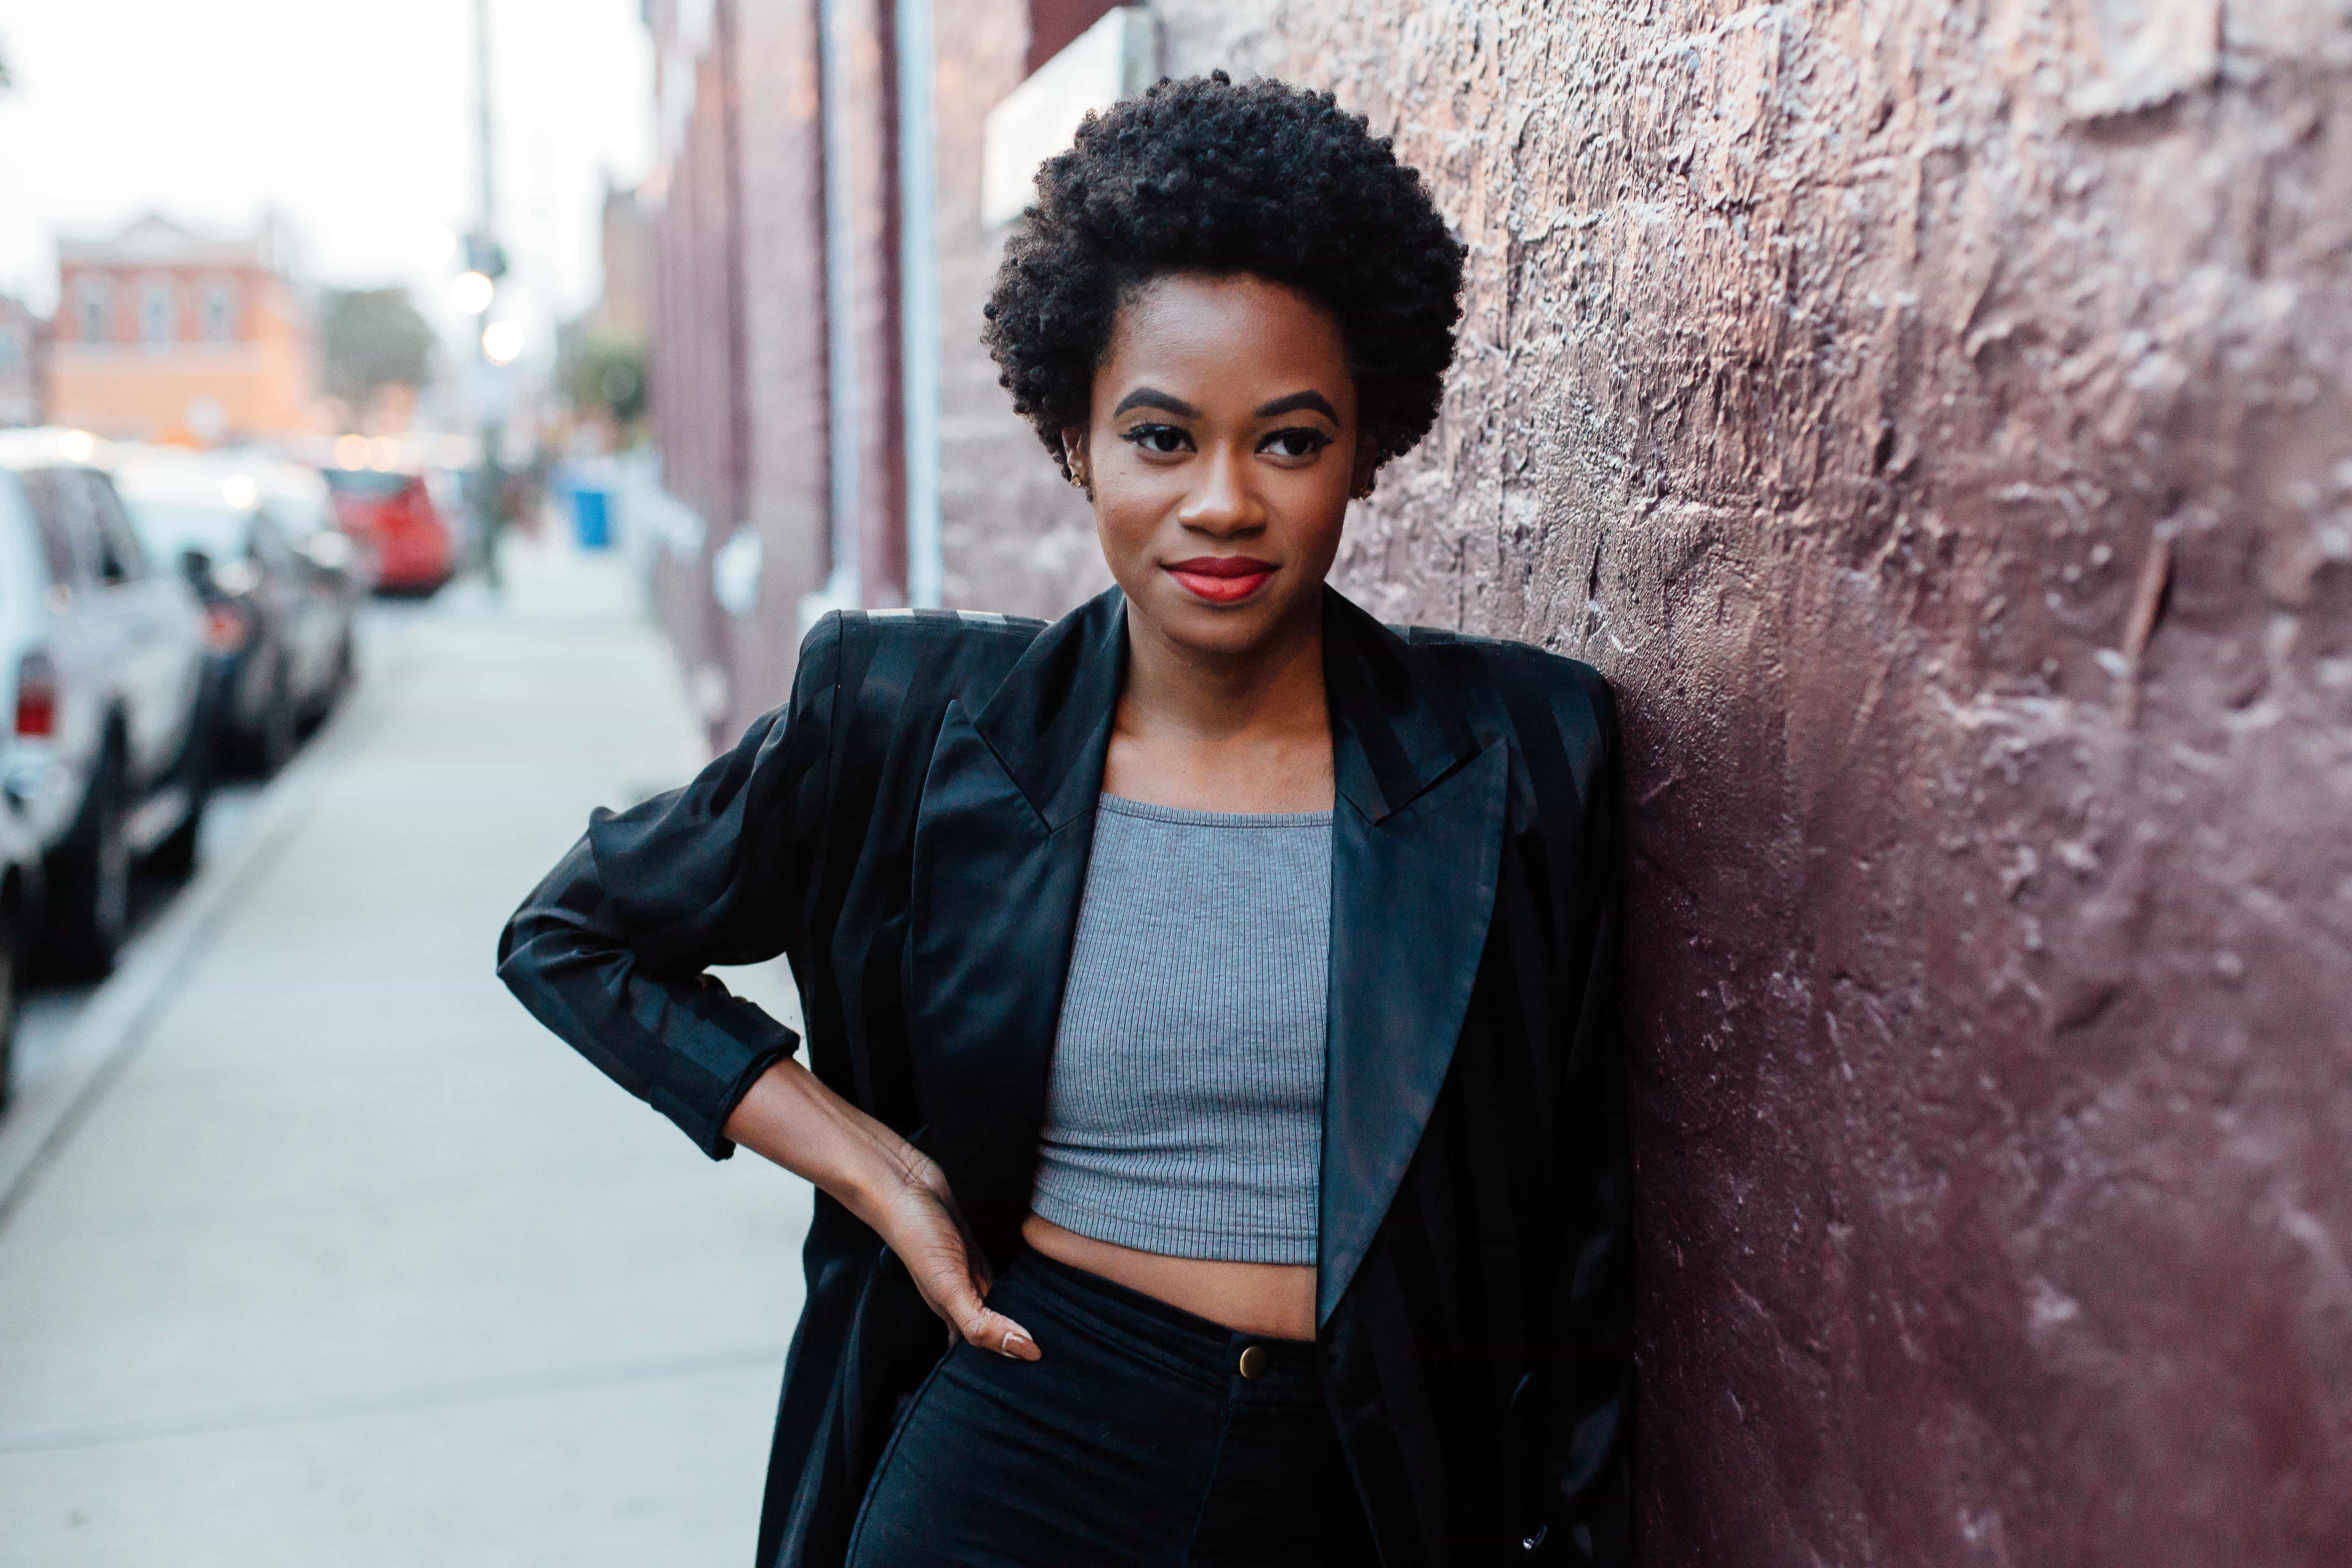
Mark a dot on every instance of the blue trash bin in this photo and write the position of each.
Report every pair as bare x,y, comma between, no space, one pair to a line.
591,516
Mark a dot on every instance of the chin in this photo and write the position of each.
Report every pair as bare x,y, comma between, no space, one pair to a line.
1220,629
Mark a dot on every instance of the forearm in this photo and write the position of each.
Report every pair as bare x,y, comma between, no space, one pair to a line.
790,1117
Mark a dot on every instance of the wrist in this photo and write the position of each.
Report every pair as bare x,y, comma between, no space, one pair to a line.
885,1168
790,1117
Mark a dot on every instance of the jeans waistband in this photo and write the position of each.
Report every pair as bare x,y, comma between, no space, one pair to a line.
1211,1349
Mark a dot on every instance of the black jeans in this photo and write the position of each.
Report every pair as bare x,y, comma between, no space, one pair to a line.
1138,1438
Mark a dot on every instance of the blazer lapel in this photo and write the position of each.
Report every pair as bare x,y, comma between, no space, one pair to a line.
1000,865
1415,845
1002,841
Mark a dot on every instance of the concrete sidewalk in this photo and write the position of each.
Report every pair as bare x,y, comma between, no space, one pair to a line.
346,1262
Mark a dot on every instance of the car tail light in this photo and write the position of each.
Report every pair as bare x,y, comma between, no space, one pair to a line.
37,696
225,628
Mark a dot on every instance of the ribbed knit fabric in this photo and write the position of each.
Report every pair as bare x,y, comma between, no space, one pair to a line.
1185,1112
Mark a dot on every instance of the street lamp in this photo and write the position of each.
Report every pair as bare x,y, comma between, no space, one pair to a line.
471,292
503,341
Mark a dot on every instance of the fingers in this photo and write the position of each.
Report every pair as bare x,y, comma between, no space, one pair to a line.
951,1271
995,1331
975,1255
984,1330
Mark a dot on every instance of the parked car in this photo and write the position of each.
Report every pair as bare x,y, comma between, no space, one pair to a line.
104,656
447,489
20,908
279,584
392,514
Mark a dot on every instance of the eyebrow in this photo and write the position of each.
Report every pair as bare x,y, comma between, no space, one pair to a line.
1152,398
1311,400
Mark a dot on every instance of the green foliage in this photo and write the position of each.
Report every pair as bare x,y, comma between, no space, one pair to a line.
607,375
372,339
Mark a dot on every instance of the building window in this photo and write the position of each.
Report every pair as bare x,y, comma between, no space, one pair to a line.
92,310
220,313
156,325
1055,25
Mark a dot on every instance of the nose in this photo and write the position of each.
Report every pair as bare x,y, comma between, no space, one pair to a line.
1222,504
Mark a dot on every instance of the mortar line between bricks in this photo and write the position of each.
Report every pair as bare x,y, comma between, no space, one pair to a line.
478,1391
199,927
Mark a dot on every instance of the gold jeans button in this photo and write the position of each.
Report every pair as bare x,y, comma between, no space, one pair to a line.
1253,1362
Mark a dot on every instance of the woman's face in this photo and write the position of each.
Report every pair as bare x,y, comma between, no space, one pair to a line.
1222,453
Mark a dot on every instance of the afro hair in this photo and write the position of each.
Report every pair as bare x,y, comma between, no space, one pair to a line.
1215,176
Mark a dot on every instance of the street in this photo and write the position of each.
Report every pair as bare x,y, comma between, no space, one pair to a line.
314,1248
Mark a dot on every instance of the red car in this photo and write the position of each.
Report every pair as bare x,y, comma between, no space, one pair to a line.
393,518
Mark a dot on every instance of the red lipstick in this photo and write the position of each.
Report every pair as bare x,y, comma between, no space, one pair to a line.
1220,579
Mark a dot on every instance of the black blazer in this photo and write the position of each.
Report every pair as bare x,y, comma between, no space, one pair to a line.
911,831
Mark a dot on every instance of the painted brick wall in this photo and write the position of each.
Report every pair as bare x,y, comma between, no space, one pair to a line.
690,376
1937,420
868,77
782,202
1015,537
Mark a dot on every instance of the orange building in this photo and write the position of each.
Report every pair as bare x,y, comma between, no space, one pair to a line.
23,340
166,336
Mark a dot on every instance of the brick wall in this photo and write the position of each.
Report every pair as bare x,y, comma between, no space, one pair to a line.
783,199
1015,537
692,379
1934,419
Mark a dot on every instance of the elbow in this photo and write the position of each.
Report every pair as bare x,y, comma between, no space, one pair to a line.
522,957
542,943
512,938
527,935
553,923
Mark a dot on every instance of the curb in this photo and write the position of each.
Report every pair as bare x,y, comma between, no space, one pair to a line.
121,1013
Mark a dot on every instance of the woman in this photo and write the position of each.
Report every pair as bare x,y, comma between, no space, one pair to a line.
1208,993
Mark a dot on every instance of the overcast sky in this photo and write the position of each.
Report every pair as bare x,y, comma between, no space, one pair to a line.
355,117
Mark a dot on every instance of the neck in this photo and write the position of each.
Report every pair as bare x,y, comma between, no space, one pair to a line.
1272,689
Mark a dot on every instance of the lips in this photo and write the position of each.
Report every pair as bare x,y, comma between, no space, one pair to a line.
1221,579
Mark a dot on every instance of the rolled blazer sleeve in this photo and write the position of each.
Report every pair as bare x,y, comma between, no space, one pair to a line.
609,951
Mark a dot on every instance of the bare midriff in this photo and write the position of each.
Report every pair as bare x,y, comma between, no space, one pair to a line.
1273,1299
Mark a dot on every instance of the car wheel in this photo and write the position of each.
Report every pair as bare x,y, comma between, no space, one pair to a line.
8,979
175,856
280,730
347,669
89,879
322,703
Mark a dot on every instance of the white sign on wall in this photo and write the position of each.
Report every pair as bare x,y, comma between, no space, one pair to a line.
1117,58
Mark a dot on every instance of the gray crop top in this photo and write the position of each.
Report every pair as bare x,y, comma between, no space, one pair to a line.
1185,1110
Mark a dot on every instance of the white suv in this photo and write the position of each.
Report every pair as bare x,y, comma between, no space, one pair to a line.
101,664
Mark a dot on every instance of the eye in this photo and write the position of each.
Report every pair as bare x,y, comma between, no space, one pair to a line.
1165,439
1297,441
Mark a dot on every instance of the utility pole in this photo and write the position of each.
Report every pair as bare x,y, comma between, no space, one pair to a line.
484,255
483,123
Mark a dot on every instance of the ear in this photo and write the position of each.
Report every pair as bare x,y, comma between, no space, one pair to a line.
1075,456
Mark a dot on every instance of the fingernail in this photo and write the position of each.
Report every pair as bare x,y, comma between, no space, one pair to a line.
1016,1343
